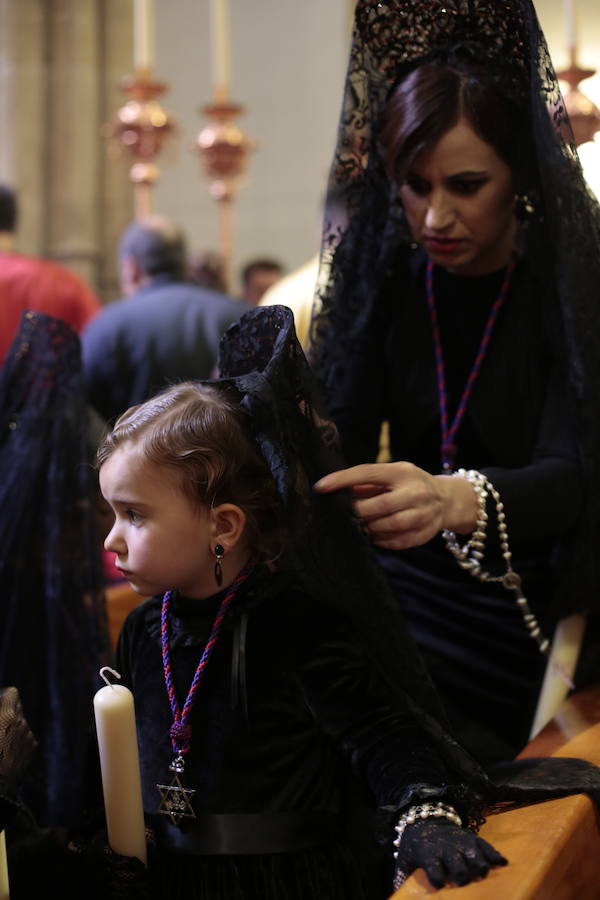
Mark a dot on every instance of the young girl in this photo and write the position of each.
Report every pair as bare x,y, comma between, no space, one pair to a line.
258,702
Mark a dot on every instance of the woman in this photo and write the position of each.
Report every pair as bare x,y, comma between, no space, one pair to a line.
455,306
52,616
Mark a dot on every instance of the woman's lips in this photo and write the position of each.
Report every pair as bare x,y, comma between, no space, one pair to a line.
443,245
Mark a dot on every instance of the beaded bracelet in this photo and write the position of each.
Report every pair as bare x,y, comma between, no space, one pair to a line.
423,811
469,556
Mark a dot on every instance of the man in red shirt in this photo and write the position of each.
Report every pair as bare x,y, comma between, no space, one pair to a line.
30,283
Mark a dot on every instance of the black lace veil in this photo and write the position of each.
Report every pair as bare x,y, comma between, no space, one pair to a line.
53,635
262,357
331,555
364,228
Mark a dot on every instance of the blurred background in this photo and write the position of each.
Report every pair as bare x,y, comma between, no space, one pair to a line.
62,64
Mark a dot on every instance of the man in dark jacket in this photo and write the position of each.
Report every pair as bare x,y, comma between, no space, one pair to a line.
164,330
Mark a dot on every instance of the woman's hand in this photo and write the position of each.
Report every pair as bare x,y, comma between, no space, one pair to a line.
447,853
404,506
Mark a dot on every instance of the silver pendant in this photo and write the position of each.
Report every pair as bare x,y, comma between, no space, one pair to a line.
175,800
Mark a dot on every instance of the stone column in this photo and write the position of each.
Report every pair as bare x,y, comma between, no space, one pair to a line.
60,66
73,139
23,114
116,200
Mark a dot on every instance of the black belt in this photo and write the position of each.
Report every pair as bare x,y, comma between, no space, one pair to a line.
242,833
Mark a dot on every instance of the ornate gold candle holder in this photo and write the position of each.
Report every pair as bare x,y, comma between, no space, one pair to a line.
224,149
141,127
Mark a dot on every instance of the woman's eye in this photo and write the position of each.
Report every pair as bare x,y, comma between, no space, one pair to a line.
466,187
133,517
417,185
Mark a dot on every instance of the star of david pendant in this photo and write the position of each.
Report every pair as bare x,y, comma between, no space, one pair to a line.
175,800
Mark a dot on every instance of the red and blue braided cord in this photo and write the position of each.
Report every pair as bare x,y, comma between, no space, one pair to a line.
181,731
448,448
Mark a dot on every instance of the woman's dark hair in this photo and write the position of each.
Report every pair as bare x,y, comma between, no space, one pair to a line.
201,432
432,98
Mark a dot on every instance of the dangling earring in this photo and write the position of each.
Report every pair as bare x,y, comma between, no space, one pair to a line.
219,553
524,207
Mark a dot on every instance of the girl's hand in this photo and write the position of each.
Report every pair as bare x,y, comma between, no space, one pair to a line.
404,506
446,852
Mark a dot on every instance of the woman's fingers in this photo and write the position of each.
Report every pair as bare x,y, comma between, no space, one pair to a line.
403,541
399,503
349,478
384,475
364,491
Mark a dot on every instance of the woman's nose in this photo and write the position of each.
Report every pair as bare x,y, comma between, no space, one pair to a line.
439,215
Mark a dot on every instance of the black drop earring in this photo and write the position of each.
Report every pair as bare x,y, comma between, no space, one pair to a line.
219,553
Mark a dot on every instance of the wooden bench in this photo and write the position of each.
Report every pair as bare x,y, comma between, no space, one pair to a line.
553,848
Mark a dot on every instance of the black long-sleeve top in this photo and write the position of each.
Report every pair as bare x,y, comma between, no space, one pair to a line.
518,426
279,720
518,429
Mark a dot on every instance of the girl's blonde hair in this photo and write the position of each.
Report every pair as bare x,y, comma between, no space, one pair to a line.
202,434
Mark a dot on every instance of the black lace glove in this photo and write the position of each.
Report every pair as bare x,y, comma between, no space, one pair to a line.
17,743
447,852
125,877
110,875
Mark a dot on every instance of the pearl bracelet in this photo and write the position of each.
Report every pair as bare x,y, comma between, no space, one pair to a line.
470,555
423,811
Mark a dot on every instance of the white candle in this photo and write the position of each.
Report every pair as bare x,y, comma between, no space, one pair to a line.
570,28
4,891
220,46
143,34
120,765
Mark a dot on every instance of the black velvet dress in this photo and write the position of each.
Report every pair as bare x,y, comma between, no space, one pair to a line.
290,717
517,429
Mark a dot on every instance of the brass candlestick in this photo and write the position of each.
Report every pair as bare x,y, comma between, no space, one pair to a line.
224,149
583,113
141,127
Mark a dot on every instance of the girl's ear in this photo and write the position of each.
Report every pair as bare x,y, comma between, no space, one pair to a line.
227,525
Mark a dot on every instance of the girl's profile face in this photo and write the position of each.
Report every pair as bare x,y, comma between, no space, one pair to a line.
160,539
459,201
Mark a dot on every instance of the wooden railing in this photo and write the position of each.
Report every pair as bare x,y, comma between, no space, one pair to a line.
120,600
553,848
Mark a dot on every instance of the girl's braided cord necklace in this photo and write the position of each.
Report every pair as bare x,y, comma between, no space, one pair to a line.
175,799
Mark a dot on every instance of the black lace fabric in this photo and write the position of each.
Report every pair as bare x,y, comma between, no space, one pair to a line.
52,618
364,227
328,551
262,358
332,558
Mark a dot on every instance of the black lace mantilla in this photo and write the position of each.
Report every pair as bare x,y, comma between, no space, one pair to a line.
53,629
364,228
331,558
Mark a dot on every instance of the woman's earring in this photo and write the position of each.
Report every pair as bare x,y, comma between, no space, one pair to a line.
219,553
525,207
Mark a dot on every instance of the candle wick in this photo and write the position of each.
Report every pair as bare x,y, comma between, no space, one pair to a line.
103,676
